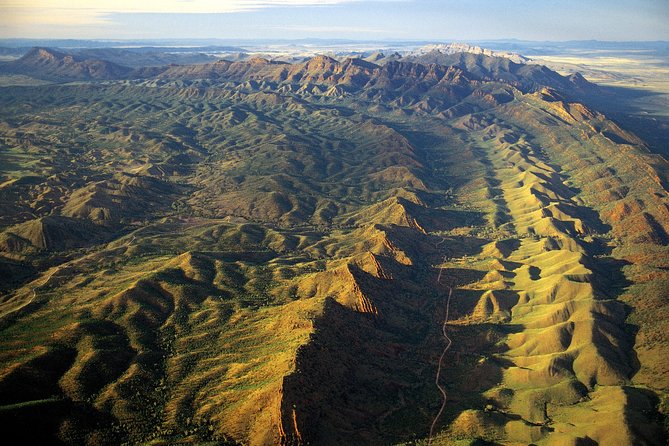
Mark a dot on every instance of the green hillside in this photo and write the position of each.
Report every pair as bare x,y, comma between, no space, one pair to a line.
249,253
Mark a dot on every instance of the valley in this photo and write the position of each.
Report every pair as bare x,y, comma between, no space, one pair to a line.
260,252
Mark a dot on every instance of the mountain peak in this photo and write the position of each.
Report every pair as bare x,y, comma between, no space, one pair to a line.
48,63
321,60
579,81
453,48
360,63
44,54
258,61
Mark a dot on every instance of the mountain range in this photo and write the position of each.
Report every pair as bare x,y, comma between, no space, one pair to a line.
357,73
260,252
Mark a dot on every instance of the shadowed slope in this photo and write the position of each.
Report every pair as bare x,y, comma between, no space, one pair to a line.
248,252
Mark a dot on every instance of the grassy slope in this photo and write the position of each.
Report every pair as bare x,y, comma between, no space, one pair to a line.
264,268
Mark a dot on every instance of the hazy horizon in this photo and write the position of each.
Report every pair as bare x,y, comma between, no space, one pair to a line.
199,41
358,20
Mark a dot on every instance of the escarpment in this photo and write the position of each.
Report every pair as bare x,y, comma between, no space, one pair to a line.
264,253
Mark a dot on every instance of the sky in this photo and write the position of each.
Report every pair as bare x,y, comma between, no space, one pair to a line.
337,19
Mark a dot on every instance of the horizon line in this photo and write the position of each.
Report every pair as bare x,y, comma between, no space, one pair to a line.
334,39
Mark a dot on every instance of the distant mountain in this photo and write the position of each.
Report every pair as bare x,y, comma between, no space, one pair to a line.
453,48
13,52
265,253
145,57
47,63
351,74
380,58
435,75
493,68
401,82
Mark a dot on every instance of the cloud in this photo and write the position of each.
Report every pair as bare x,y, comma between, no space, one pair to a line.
21,14
101,7
20,17
79,18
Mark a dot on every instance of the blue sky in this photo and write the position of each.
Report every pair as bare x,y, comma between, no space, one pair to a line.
343,19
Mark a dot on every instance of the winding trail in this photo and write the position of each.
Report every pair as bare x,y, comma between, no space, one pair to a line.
449,342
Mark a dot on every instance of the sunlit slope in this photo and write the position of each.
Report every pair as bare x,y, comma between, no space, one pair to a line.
220,255
566,337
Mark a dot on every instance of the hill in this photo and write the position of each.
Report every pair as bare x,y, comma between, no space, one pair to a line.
355,73
258,252
453,48
495,68
46,63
